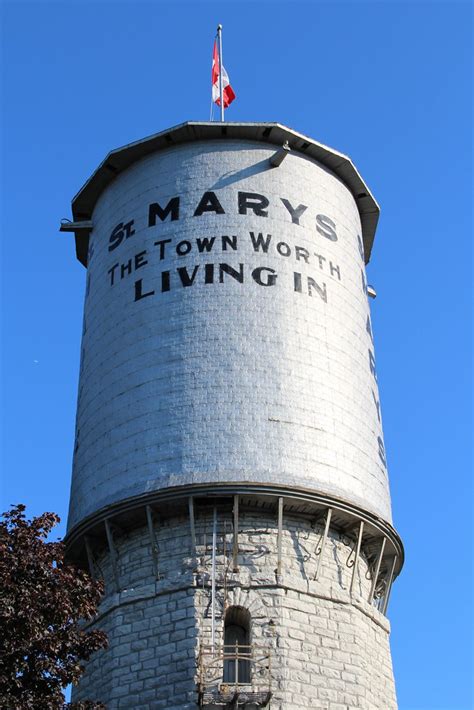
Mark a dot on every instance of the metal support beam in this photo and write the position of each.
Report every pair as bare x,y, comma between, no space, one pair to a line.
90,556
377,570
68,226
192,525
356,558
278,157
112,550
389,584
320,552
280,535
235,541
153,543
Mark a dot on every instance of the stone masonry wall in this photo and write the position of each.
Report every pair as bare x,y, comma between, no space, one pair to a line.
328,650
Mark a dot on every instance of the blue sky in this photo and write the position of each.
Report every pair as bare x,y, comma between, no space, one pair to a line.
388,83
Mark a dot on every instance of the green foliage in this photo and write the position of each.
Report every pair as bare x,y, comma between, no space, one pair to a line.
42,602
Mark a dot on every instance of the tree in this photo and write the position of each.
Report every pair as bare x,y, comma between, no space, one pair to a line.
42,604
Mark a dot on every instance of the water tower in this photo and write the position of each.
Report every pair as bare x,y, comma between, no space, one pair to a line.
230,478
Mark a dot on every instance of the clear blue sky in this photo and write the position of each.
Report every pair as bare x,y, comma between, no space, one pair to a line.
388,83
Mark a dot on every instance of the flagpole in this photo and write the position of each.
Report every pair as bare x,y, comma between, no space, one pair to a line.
221,87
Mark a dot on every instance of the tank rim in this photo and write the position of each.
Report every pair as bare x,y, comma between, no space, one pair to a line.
125,514
270,133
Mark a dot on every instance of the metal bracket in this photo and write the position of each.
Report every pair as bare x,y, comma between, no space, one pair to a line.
112,550
90,556
356,558
277,159
320,549
377,570
84,226
389,585
153,543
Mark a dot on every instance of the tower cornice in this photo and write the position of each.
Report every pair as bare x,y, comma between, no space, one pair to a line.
276,134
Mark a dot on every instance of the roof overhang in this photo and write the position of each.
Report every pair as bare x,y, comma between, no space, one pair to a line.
269,133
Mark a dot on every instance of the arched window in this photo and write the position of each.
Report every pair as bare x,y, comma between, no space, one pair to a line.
237,645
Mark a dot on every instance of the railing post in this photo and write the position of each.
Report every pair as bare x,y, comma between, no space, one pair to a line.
152,536
112,552
252,661
356,558
90,557
389,585
236,664
376,571
280,535
320,552
192,526
213,578
235,541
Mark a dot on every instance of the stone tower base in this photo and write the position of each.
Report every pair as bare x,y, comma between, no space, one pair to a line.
312,641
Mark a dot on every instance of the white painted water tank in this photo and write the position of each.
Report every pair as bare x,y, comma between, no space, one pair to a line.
227,334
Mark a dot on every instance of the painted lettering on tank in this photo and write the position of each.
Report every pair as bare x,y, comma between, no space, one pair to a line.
243,204
185,316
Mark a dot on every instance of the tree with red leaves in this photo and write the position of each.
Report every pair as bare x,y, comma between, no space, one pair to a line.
42,604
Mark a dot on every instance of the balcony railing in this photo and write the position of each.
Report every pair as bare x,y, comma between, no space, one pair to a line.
237,674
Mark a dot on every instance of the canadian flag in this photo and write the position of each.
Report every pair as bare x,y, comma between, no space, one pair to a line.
227,90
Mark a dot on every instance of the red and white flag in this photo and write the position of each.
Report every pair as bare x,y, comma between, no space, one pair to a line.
227,90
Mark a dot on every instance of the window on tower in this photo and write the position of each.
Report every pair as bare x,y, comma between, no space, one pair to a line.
236,645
